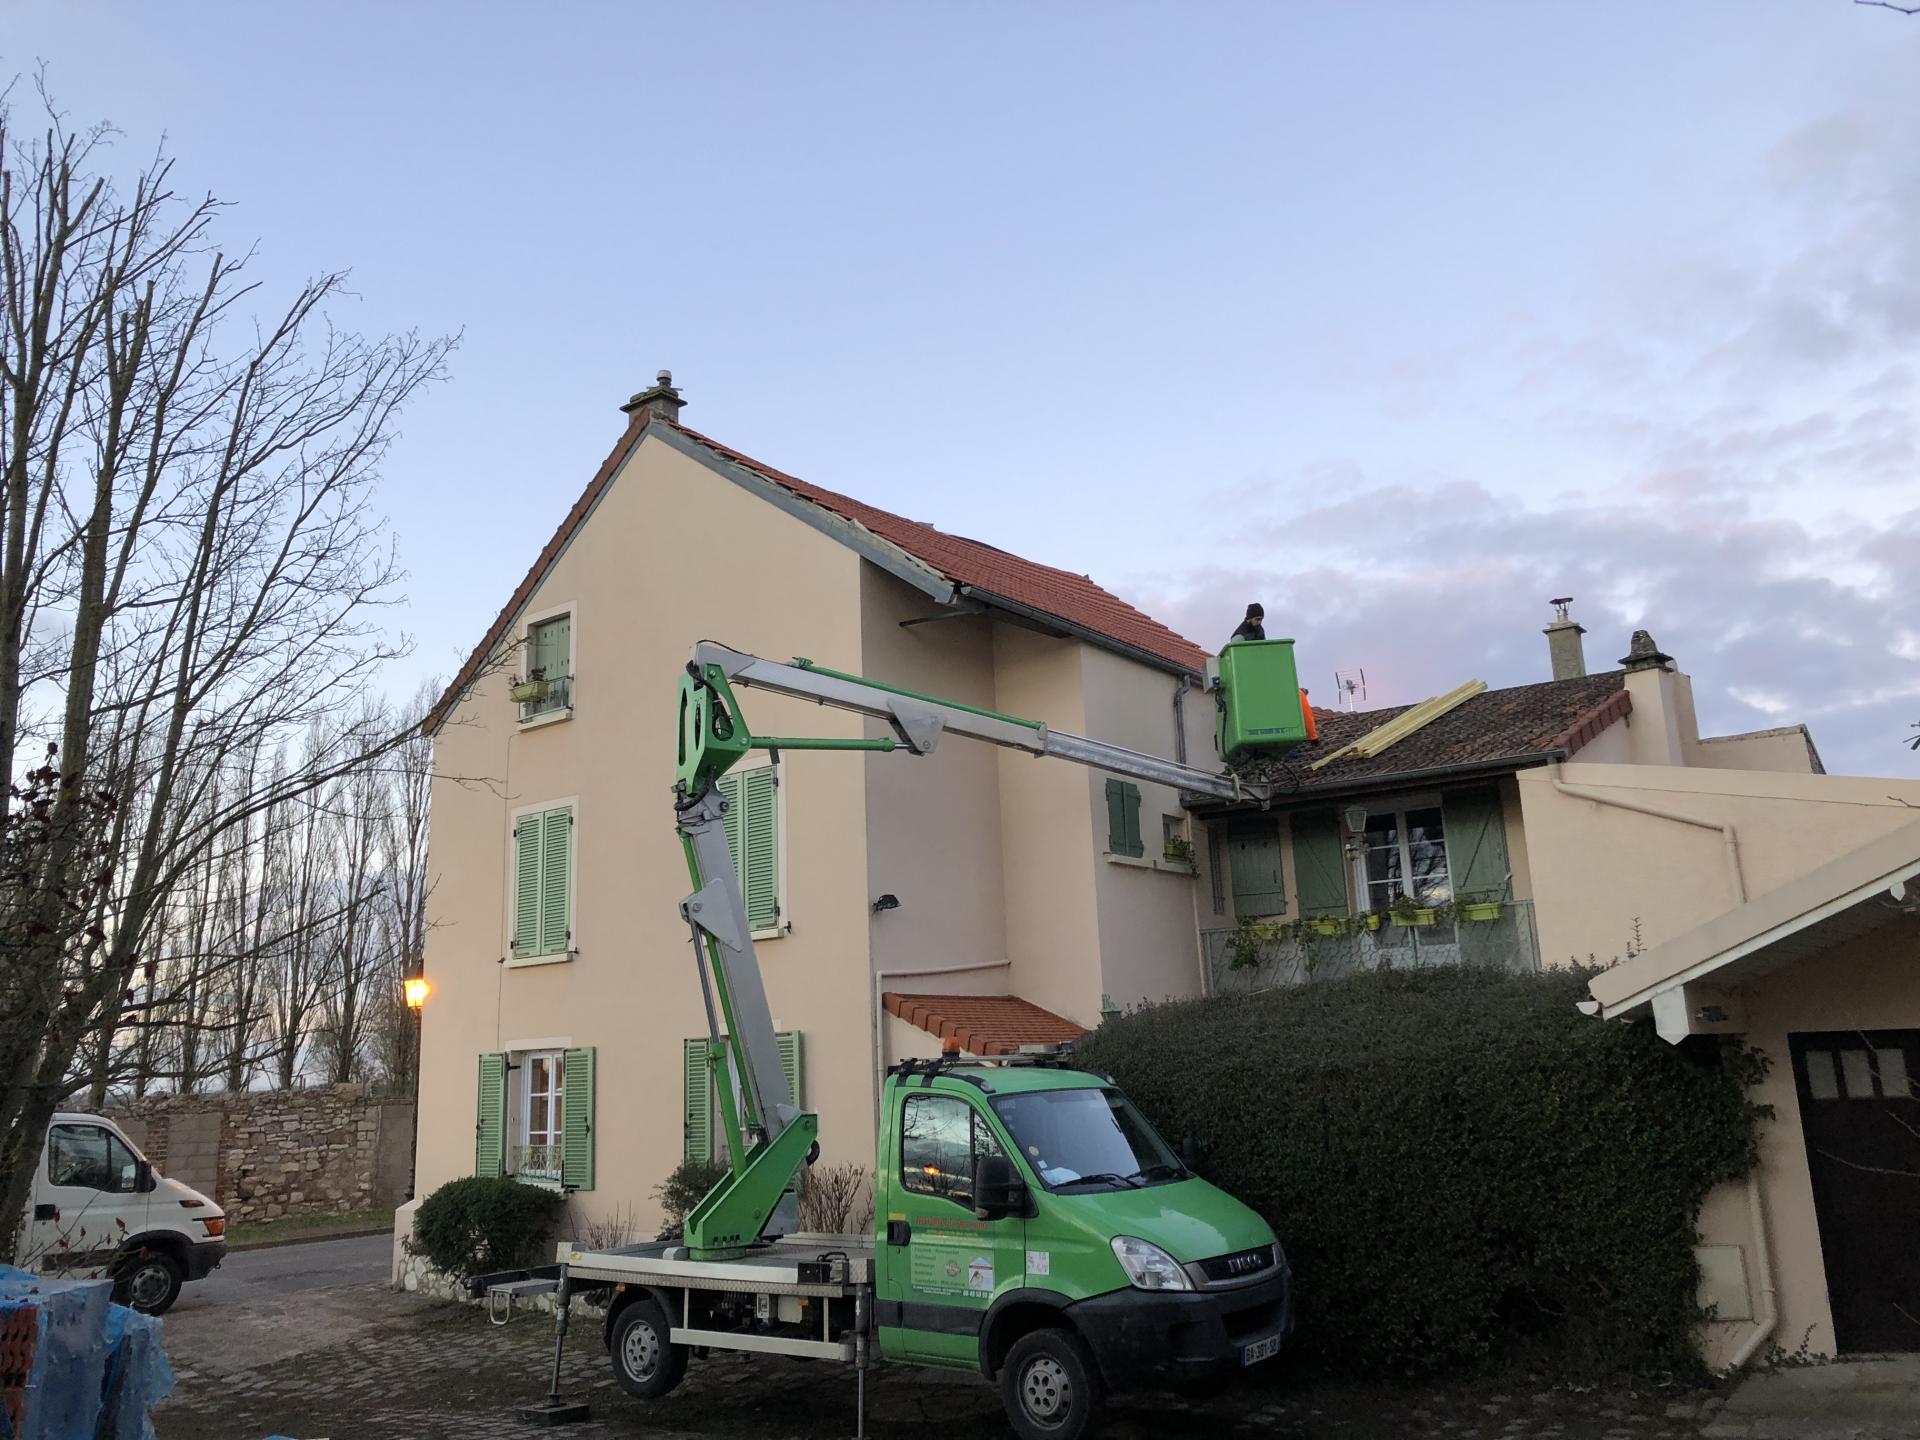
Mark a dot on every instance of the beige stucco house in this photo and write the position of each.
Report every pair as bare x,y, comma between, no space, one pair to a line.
564,992
1729,885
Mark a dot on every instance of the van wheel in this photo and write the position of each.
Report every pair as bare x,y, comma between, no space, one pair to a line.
149,1282
645,1362
1050,1385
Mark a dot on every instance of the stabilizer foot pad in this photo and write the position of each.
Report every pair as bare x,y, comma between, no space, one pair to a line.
554,1412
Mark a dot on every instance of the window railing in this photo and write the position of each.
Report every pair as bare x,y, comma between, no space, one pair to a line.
537,1162
1507,942
554,693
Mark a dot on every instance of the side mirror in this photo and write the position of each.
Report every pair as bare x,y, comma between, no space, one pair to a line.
142,1176
998,1190
1190,1154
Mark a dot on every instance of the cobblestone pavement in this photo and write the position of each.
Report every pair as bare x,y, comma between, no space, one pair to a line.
410,1370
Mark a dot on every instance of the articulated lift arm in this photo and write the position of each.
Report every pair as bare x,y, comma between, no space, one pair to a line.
768,1137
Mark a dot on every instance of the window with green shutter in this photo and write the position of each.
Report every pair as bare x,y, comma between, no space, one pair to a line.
753,835
1253,858
1476,838
1319,864
543,882
549,662
1123,819
576,1120
703,1139
490,1122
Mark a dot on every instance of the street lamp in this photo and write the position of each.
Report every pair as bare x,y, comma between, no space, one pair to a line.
417,991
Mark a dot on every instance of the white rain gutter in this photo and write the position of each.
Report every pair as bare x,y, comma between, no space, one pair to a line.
1729,838
880,978
1769,1315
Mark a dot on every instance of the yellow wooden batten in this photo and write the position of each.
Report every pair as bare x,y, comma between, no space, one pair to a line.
1404,724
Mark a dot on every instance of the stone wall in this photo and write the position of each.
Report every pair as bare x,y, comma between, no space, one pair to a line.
264,1154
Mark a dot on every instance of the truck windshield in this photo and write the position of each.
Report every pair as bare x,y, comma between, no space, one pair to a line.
1090,1139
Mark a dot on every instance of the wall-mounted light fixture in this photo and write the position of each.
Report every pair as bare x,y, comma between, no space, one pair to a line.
886,902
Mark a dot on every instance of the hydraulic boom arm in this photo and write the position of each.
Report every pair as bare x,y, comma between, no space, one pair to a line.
768,1137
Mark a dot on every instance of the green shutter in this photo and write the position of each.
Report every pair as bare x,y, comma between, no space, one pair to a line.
697,1095
760,875
576,1119
1476,831
736,820
526,885
1253,853
556,871
790,1062
490,1124
1319,864
1123,819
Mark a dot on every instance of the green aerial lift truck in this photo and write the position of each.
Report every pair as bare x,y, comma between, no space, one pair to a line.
1029,1224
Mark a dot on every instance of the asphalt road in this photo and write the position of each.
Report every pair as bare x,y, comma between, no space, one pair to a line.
262,1307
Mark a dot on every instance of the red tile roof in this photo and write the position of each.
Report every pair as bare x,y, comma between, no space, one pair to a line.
1072,599
1059,593
1506,728
983,1024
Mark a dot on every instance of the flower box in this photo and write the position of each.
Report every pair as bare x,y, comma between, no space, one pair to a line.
1419,917
1321,925
1482,910
527,692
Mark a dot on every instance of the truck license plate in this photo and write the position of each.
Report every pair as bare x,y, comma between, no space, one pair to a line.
1258,1350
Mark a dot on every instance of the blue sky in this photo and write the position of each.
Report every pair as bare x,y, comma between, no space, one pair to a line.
1401,317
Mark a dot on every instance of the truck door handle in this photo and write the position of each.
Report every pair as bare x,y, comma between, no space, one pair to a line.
45,1211
898,1232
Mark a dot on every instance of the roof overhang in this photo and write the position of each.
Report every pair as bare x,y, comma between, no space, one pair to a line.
1332,791
1687,984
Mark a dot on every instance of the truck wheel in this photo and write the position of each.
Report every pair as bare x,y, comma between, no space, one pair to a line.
1050,1385
645,1362
150,1283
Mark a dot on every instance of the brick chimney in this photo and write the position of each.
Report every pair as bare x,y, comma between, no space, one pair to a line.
1569,657
662,400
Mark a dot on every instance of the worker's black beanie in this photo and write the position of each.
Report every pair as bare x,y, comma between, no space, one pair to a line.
1255,609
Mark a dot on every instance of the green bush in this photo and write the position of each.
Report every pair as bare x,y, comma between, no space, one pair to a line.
685,1188
481,1224
1461,1167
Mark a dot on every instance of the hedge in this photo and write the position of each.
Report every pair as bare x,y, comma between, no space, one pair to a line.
1462,1169
481,1224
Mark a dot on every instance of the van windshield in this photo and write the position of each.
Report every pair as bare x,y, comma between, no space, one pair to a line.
1086,1140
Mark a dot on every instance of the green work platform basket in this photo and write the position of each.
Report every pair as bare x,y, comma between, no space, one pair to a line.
1262,706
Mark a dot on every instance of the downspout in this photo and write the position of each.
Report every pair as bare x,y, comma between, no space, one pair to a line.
1729,839
1769,1315
1180,718
880,978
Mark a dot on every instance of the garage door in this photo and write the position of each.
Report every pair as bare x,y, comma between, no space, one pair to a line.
1860,1114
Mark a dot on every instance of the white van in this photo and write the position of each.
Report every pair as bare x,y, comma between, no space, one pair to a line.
99,1208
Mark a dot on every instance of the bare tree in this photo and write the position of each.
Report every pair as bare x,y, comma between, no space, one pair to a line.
189,569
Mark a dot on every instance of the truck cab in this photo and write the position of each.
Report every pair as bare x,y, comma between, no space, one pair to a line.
100,1208
1031,1224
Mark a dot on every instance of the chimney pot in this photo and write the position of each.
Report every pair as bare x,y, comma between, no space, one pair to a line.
662,402
1564,650
1643,654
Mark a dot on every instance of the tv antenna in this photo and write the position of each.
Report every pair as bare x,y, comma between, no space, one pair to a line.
1351,686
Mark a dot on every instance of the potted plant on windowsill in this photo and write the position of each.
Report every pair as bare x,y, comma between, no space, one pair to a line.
1409,913
531,689
1178,850
1481,908
1329,926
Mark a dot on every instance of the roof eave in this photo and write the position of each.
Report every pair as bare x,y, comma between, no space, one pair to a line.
1045,620
1371,784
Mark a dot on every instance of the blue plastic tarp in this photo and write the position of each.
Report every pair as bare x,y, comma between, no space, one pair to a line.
98,1368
